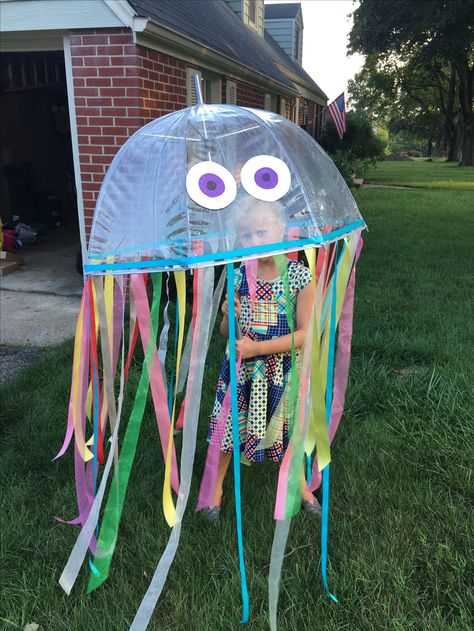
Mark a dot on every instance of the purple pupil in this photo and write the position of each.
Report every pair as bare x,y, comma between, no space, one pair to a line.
211,185
266,178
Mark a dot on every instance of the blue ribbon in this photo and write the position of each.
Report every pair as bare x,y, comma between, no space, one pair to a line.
308,468
329,396
236,441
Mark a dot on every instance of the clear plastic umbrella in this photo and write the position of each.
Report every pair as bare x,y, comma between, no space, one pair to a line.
191,190
175,192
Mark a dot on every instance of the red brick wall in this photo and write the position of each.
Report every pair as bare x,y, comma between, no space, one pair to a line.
250,96
289,104
118,88
310,116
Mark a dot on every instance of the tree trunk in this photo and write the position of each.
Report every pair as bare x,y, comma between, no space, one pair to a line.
467,159
466,76
429,147
452,145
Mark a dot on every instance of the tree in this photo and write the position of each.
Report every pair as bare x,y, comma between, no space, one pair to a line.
422,32
418,96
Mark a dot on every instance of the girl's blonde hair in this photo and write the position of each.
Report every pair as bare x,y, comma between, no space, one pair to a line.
248,209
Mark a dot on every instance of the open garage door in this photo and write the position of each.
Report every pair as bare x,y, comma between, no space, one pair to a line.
37,174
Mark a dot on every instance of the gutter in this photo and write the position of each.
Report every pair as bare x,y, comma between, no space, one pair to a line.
150,34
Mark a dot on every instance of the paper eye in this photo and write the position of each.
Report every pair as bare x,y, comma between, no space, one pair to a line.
266,178
211,185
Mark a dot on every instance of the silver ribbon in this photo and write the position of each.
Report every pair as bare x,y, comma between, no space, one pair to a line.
191,417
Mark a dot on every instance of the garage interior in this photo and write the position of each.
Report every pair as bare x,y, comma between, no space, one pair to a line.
37,186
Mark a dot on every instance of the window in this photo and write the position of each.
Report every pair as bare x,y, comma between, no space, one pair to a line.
296,53
210,87
253,11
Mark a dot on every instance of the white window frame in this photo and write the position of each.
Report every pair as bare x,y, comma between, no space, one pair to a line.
296,111
190,90
213,81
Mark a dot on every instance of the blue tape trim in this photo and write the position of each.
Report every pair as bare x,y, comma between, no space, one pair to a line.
181,240
221,257
236,441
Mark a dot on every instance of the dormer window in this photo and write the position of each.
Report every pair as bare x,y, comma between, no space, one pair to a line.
296,54
252,14
252,11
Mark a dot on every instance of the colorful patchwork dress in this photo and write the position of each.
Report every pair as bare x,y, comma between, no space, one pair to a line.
263,380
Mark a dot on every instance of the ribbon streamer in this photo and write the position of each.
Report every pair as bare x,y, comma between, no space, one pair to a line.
236,442
79,551
113,510
191,417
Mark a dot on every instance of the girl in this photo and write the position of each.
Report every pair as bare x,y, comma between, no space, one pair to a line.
265,350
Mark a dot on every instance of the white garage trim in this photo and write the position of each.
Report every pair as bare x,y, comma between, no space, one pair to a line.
75,146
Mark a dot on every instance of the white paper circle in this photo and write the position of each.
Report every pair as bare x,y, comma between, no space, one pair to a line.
214,200
250,170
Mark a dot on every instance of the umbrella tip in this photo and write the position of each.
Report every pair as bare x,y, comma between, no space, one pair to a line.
197,88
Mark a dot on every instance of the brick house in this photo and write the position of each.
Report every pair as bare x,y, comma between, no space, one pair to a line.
103,68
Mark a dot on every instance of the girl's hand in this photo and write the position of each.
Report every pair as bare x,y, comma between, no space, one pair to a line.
225,308
246,347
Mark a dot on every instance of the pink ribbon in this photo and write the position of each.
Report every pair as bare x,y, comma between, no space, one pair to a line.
157,385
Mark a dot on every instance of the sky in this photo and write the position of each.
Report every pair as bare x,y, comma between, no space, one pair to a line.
325,38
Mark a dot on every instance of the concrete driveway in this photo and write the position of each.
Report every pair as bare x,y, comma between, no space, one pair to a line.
40,301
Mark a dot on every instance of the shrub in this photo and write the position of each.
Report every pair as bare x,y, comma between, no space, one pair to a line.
359,148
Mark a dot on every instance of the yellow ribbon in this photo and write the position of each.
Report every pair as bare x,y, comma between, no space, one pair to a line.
77,386
317,433
168,505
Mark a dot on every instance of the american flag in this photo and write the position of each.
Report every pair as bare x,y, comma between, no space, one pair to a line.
337,112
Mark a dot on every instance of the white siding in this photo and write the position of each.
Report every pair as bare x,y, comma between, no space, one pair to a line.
24,15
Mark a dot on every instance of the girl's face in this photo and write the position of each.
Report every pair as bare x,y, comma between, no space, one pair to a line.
262,228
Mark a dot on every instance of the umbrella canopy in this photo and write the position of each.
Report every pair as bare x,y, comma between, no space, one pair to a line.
181,190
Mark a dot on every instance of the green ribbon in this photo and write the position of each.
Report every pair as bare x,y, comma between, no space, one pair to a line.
294,490
113,510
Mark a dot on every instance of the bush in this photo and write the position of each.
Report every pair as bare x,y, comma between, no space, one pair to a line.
359,148
345,169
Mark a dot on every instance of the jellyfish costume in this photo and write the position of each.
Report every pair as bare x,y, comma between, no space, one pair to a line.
168,204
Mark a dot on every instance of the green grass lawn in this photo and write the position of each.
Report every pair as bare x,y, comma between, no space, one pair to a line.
422,174
401,523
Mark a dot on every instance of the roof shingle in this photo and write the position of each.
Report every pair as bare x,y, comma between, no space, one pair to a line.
215,25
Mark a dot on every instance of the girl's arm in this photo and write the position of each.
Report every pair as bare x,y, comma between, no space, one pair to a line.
224,328
282,344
